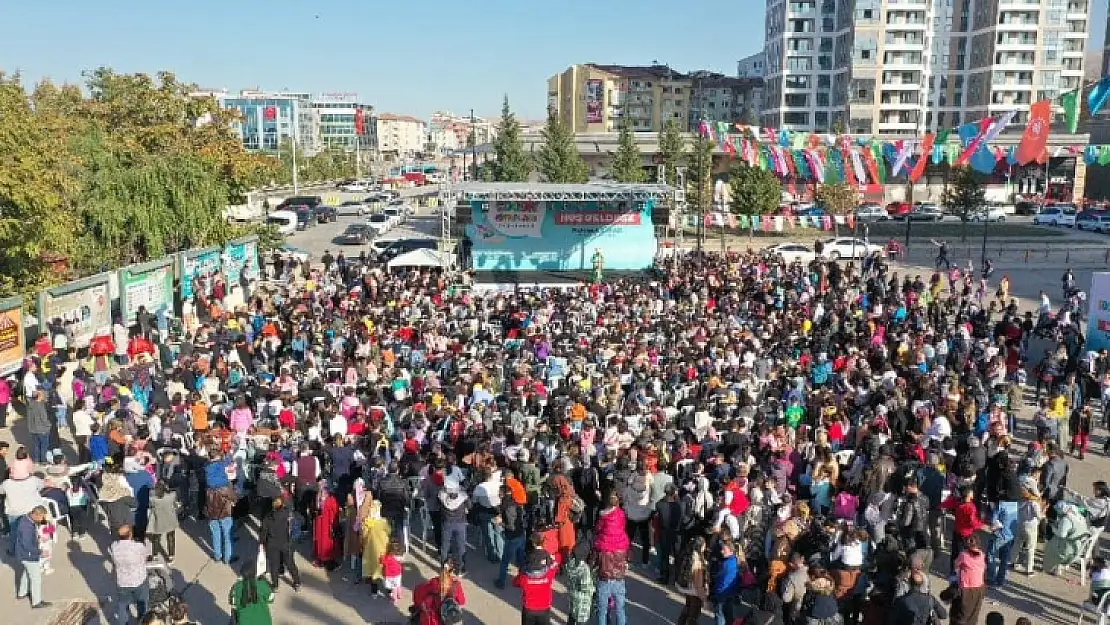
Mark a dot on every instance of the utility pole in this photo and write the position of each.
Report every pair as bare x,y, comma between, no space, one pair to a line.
474,147
296,118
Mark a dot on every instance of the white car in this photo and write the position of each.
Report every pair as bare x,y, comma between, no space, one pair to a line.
1056,215
355,187
989,213
394,214
871,212
380,223
848,247
794,252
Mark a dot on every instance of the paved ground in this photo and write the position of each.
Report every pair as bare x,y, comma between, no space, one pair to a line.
330,598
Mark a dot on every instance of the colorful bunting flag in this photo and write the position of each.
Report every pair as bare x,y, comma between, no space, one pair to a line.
1070,102
1098,96
1035,138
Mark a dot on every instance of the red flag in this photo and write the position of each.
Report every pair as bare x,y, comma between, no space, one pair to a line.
360,123
1035,138
923,161
269,113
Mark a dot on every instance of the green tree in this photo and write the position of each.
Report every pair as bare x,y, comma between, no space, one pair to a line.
754,191
837,198
964,195
558,159
628,163
699,176
672,149
512,164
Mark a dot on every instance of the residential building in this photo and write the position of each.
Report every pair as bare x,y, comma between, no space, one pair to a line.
752,66
269,120
345,124
400,136
447,131
900,67
601,98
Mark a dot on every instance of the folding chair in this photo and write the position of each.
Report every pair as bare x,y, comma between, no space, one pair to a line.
1089,608
1088,549
56,514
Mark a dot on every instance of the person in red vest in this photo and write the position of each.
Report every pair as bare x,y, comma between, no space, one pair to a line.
535,582
736,499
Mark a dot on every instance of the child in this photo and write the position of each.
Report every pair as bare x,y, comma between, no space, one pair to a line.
46,533
78,499
580,583
392,569
98,445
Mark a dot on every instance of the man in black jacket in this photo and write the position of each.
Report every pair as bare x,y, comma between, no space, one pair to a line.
512,527
393,493
916,606
669,511
275,540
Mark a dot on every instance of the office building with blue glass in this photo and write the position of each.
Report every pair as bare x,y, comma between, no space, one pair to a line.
271,120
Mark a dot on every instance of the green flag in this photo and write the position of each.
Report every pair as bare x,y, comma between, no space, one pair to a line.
942,136
1070,100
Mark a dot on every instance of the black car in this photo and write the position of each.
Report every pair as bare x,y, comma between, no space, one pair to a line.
1025,208
356,234
325,213
311,201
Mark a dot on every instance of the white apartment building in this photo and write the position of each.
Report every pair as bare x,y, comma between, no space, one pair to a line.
447,131
900,67
752,66
400,135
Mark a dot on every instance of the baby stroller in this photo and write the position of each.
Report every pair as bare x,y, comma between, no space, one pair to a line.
159,577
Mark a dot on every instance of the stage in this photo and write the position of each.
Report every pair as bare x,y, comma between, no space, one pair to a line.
508,281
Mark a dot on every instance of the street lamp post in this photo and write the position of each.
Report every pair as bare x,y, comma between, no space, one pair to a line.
296,186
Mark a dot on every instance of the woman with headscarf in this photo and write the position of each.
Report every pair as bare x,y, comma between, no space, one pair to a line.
325,548
563,521
250,598
358,508
443,593
375,534
1069,534
116,497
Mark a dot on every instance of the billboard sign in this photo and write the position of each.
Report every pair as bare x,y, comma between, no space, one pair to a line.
85,304
517,219
595,100
197,265
240,260
12,346
1098,324
149,285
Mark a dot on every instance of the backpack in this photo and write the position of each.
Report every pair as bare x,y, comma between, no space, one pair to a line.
450,612
874,512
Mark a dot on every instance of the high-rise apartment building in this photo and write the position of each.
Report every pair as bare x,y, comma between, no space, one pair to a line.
400,136
268,120
900,67
602,98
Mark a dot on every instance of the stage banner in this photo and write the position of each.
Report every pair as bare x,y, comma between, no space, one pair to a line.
11,335
518,219
202,263
566,241
149,285
1098,325
240,260
86,304
595,100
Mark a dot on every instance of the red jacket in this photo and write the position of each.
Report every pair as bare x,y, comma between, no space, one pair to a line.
427,597
536,589
967,520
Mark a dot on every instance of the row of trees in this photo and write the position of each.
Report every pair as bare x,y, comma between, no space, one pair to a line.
132,170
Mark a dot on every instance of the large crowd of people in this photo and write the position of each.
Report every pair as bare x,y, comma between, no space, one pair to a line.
801,444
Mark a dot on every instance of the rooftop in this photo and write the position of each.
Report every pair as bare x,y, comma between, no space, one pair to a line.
564,192
640,71
399,118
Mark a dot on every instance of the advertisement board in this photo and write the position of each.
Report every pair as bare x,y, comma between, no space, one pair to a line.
84,304
12,346
595,100
568,236
517,219
240,259
1098,324
148,285
195,264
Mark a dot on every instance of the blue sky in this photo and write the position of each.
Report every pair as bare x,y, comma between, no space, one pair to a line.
403,57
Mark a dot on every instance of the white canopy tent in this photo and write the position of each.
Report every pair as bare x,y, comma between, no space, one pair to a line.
422,258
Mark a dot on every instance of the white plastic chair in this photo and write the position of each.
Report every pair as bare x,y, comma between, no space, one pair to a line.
56,513
1089,608
1085,559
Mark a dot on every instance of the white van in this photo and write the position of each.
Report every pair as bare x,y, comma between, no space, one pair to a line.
284,221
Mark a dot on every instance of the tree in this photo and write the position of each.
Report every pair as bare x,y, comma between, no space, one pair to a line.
558,159
672,148
628,163
837,198
513,164
964,195
699,176
755,191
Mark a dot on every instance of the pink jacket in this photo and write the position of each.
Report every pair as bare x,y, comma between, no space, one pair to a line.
611,532
241,419
971,567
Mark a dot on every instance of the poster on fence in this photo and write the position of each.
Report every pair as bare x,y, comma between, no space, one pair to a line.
85,304
149,286
197,269
11,335
1098,324
241,261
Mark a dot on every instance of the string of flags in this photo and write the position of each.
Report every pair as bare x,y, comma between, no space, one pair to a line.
773,223
830,158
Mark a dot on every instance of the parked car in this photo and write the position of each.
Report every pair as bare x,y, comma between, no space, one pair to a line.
898,209
996,213
353,207
811,211
355,187
871,213
356,234
849,247
1056,215
394,214
924,212
794,252
379,223
1094,221
311,201
1025,208
325,213
285,222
